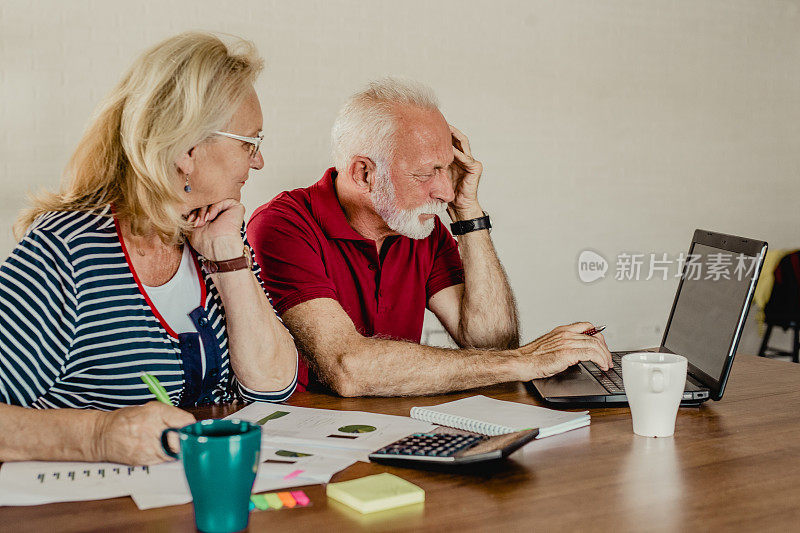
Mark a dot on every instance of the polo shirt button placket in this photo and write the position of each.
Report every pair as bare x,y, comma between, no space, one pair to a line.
381,307
374,268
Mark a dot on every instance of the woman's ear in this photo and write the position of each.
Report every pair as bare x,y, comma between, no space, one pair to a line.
185,162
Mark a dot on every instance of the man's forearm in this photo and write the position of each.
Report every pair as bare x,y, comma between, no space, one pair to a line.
381,367
488,316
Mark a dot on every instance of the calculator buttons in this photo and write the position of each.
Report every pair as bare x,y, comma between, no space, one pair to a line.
432,444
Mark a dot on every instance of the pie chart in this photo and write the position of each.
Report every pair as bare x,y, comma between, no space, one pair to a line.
357,428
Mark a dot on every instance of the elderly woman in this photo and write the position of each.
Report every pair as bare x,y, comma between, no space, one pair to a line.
140,265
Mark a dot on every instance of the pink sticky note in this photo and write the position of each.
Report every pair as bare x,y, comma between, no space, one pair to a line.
300,497
293,474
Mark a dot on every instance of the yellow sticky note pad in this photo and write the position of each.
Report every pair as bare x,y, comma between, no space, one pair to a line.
376,493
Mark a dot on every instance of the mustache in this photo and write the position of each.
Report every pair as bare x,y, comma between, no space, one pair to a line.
432,208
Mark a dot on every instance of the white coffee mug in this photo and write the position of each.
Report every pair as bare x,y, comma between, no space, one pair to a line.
654,384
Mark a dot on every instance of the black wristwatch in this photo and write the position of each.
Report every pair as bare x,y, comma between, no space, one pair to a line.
474,224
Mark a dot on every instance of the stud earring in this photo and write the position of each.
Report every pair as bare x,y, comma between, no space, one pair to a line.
187,187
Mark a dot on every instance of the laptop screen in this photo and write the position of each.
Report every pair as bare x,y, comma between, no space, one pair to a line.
709,306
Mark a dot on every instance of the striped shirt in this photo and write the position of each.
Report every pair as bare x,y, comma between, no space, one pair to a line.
77,330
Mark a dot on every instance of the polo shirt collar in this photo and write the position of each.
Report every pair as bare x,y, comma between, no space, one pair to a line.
328,211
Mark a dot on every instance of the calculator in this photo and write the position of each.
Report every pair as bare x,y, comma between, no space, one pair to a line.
452,448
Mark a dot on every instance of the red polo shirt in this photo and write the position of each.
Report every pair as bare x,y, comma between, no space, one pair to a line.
307,250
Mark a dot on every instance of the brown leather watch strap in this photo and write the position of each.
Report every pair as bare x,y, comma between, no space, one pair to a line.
229,265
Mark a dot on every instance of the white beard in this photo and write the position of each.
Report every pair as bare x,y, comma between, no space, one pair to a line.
406,222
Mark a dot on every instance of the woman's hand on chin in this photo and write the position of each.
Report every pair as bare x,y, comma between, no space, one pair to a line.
217,230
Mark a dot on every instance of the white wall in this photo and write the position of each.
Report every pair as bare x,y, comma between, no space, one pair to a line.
617,126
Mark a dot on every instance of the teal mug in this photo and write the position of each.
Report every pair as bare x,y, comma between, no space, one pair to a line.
220,459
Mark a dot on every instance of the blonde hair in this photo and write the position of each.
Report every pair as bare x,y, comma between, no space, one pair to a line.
172,98
366,123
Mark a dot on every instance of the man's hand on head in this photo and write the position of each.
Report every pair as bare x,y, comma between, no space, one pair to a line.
465,171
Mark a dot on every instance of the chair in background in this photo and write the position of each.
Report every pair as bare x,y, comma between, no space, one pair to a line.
783,308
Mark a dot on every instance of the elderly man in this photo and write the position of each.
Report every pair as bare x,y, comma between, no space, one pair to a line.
352,261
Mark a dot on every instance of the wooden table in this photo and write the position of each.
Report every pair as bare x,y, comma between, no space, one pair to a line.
732,465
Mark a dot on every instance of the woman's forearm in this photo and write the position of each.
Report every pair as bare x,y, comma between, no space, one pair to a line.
48,434
262,352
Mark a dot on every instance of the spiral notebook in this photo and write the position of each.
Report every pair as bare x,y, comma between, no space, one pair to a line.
489,416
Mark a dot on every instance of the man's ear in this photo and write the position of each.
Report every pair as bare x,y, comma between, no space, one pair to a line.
362,172
185,162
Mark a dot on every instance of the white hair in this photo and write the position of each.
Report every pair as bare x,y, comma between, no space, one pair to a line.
366,123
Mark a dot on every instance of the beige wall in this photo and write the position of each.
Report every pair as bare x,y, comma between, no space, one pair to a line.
617,126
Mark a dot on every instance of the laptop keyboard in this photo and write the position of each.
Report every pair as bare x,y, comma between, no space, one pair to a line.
611,379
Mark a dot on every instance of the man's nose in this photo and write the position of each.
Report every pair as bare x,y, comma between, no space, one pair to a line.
442,187
257,162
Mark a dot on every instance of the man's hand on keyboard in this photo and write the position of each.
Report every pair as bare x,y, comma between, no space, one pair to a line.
561,348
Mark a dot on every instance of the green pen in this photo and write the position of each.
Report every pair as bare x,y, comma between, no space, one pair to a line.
156,388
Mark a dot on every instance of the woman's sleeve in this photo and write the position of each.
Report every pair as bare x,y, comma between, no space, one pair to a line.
251,395
37,317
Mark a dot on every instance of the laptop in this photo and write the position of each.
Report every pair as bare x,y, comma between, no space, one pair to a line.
704,325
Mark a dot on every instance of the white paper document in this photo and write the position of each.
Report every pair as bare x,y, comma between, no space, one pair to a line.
280,468
344,453
38,482
328,428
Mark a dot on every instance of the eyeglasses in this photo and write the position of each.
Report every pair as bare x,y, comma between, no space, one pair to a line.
255,142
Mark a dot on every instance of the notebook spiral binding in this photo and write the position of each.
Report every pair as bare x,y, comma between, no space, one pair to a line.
459,422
